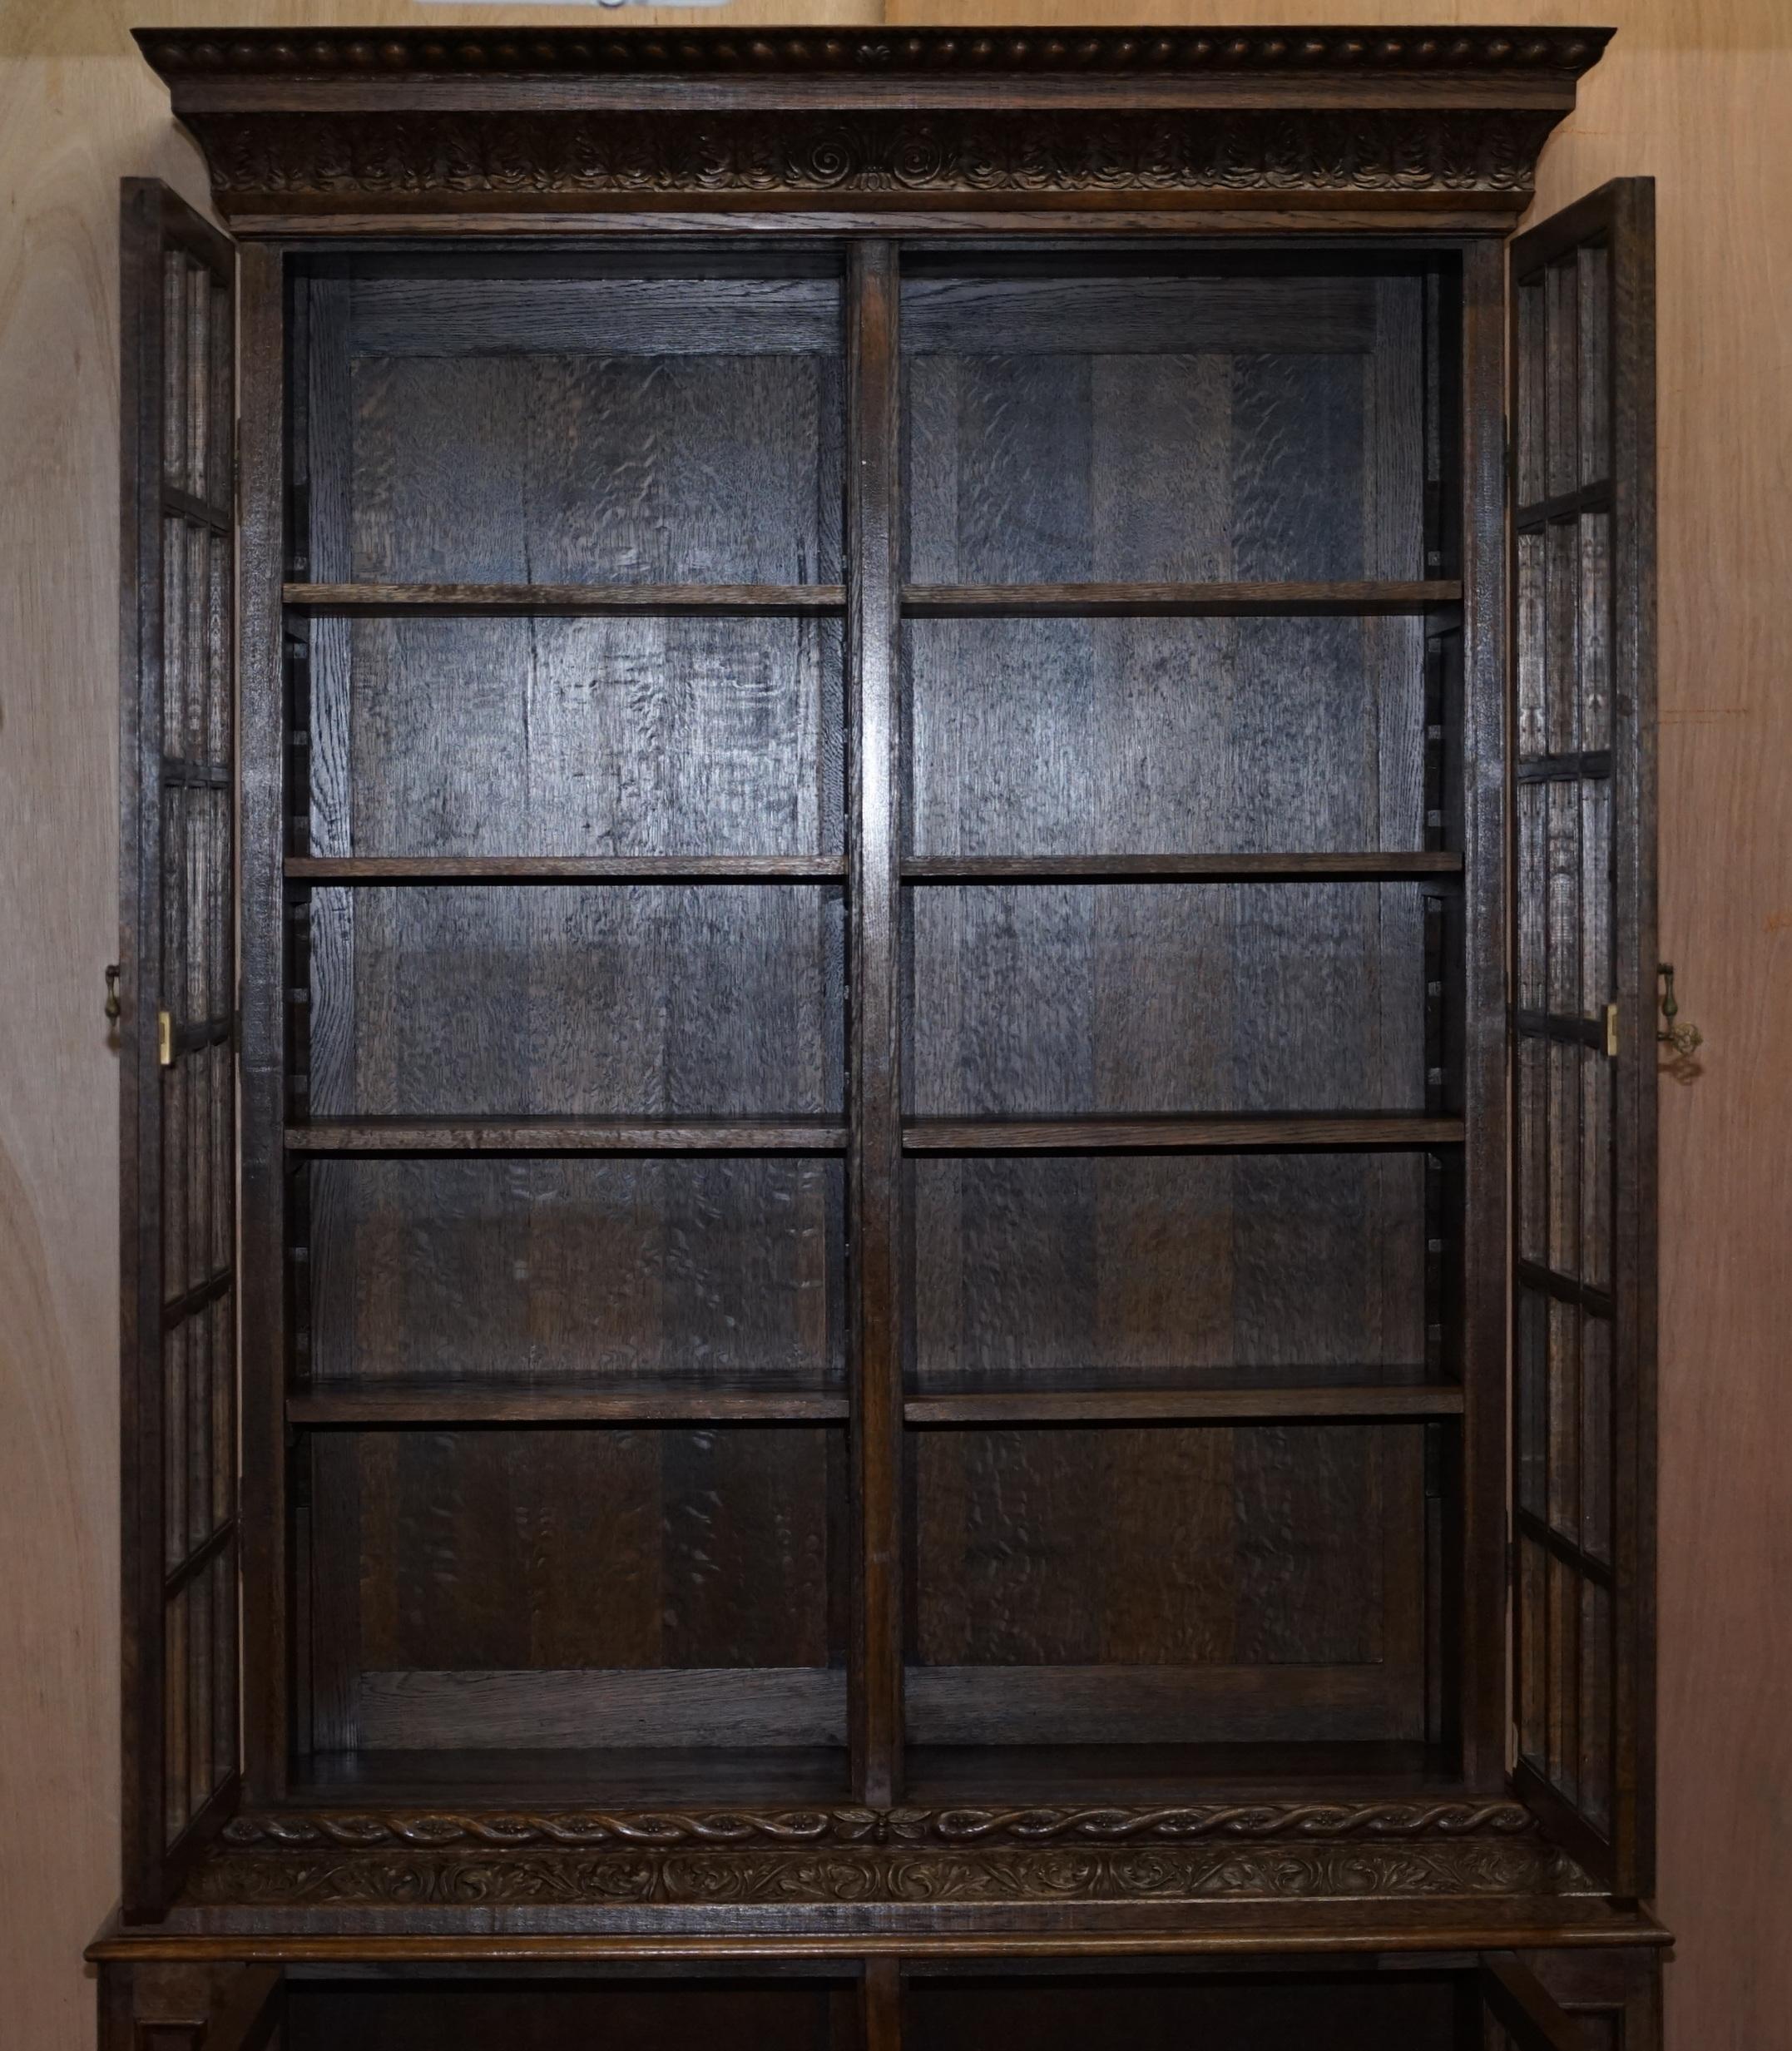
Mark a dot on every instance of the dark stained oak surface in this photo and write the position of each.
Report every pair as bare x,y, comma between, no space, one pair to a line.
871,1078
1097,600
543,1135
371,869
1172,1135
1265,867
397,599
499,1399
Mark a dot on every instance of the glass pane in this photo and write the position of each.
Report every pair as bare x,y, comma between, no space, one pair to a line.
1561,287
1533,649
1598,983
1565,1418
1593,335
1563,574
1594,1719
1565,1592
1533,393
1596,623
1531,1399
1564,1158
1533,1149
1532,799
1532,1625
1596,1447
1597,1076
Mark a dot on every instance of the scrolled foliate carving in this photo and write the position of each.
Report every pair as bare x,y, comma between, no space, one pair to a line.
870,1876
312,159
988,1854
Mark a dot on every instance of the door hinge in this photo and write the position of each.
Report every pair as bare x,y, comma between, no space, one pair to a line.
164,1038
1611,1030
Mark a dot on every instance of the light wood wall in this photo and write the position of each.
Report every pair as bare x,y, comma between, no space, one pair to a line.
1695,91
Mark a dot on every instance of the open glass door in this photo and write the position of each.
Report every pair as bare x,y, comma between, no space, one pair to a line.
177,977
1583,490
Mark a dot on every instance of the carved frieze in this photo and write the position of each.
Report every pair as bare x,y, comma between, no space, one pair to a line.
306,158
417,121
988,1855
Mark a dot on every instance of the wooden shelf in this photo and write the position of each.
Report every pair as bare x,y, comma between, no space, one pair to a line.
1094,1404
399,599
363,869
1045,602
567,1136
507,1399
1219,1134
1178,1774
608,1776
1368,867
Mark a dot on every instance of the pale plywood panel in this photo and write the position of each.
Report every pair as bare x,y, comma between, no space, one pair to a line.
1696,95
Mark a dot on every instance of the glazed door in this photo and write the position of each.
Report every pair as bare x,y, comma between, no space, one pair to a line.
176,991
1582,426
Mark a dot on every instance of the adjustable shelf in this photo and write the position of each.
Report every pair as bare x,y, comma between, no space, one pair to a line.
1368,867
1226,1133
1047,601
378,1136
607,1400
1314,1402
361,871
400,601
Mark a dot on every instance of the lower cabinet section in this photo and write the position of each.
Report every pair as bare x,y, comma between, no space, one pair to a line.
1594,1999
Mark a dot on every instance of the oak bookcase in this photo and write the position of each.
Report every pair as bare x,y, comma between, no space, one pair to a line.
888,995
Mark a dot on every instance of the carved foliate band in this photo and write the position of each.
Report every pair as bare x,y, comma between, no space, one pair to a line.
870,1875
316,159
988,1854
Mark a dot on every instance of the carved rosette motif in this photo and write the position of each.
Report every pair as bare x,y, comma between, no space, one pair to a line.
868,1857
310,158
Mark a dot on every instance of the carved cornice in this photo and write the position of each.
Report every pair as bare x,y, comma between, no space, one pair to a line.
304,160
1144,53
863,1857
421,122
